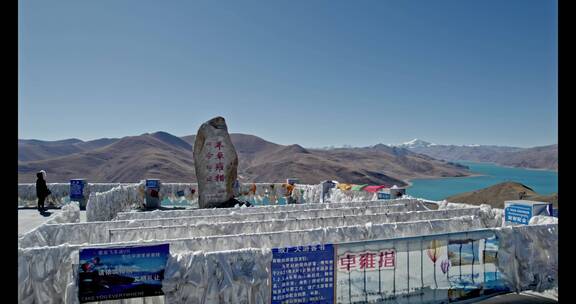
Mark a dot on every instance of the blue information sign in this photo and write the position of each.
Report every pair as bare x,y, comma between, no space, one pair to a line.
303,274
383,195
121,272
76,189
516,213
152,184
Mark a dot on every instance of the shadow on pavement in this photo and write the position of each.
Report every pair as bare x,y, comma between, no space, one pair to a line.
514,298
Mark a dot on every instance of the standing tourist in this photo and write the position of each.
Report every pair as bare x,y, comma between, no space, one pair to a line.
42,190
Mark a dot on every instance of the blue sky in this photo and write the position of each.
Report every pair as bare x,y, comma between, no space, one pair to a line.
316,73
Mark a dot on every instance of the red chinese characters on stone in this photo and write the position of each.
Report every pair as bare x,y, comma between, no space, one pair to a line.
368,260
216,164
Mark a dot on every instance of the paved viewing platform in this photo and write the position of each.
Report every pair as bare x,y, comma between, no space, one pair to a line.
522,298
29,218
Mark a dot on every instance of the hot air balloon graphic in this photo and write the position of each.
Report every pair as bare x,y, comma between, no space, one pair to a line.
434,253
445,265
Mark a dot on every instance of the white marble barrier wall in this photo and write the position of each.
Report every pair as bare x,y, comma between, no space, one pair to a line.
46,274
90,232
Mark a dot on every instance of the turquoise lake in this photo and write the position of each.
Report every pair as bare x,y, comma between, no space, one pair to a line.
543,182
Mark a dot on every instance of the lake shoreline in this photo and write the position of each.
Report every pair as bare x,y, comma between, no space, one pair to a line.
482,175
505,166
410,184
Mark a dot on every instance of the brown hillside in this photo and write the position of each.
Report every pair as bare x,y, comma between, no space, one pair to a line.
497,194
169,158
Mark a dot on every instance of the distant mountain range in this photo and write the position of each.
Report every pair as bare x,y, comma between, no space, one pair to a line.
545,157
168,157
37,149
496,195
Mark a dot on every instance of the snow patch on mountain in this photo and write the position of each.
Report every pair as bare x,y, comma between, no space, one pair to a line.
415,143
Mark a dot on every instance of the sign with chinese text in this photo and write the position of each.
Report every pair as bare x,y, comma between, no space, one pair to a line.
383,195
519,214
367,260
121,272
452,267
365,271
77,189
303,274
152,184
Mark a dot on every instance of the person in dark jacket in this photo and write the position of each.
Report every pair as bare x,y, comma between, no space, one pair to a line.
42,190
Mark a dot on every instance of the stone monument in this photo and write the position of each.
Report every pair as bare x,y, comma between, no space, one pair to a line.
216,164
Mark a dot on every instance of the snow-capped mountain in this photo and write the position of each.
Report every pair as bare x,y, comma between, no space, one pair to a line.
545,157
415,143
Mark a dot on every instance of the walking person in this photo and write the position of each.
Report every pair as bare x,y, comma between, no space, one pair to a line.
42,190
